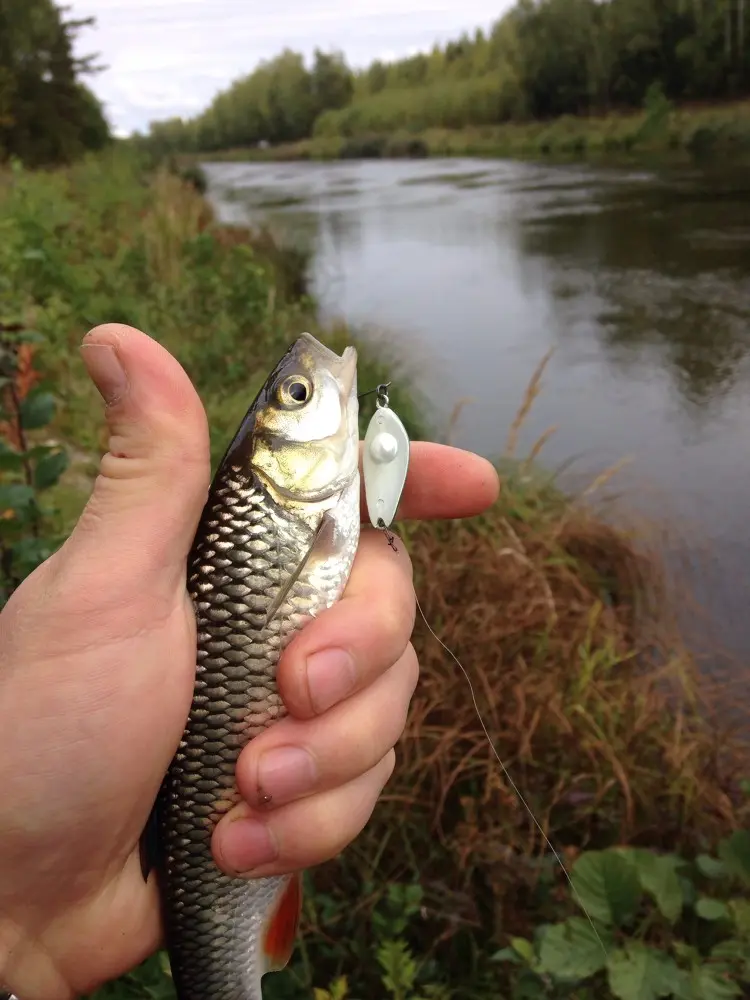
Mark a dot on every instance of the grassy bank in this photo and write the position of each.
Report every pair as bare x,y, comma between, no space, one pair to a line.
695,131
600,715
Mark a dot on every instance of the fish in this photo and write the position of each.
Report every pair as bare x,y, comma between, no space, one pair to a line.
274,547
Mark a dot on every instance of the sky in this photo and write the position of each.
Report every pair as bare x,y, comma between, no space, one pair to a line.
170,57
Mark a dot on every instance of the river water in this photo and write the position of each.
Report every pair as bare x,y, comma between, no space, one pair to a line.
470,270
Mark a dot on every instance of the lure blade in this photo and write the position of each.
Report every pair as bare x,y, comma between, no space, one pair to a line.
385,463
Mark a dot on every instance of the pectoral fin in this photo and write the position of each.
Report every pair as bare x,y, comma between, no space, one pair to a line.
322,545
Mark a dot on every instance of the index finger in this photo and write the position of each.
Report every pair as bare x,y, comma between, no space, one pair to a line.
443,482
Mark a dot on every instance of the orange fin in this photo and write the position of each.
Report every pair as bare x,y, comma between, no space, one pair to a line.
283,921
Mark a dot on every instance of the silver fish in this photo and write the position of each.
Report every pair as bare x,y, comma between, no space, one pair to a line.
274,546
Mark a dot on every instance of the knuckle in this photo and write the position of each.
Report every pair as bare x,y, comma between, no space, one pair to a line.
366,746
396,611
336,829
410,666
388,767
406,672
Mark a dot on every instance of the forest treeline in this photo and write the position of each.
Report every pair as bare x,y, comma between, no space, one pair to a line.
47,114
542,59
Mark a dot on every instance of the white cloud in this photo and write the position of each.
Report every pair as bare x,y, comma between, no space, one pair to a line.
172,56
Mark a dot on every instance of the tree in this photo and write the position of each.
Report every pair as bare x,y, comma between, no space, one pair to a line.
331,82
46,114
543,58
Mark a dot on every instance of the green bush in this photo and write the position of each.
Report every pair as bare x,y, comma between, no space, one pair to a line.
452,104
29,465
655,925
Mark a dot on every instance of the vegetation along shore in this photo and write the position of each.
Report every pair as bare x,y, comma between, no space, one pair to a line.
599,713
558,77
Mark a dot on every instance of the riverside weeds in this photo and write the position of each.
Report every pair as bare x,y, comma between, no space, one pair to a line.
688,132
598,711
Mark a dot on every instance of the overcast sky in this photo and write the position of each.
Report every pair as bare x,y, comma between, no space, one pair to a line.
169,57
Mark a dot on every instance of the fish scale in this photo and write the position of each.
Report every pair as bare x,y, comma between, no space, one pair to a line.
249,543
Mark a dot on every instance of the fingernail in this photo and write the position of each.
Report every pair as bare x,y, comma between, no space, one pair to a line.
285,773
106,371
248,844
330,677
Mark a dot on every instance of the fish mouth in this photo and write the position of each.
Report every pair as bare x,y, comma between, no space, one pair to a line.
343,366
348,371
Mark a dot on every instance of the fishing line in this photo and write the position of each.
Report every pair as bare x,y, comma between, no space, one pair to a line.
506,772
385,465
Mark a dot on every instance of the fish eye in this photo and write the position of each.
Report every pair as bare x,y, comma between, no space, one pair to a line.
298,391
294,391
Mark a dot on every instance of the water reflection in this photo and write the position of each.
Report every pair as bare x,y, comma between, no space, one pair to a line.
639,278
668,265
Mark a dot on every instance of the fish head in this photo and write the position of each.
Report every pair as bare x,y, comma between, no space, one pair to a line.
301,435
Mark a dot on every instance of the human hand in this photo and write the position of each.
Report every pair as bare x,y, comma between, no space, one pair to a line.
97,658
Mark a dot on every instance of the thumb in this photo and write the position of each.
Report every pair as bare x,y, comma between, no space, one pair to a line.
153,480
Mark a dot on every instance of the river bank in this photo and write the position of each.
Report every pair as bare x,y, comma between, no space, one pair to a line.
600,714
683,132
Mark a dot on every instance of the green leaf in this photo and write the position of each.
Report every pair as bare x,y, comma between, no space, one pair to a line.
636,972
17,497
434,992
10,459
735,853
658,876
711,909
687,952
49,469
31,337
729,952
606,886
740,910
571,950
506,955
523,947
689,892
712,984
528,986
339,988
37,410
710,867
399,968
683,987
28,553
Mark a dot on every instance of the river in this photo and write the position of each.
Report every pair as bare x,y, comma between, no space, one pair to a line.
470,270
